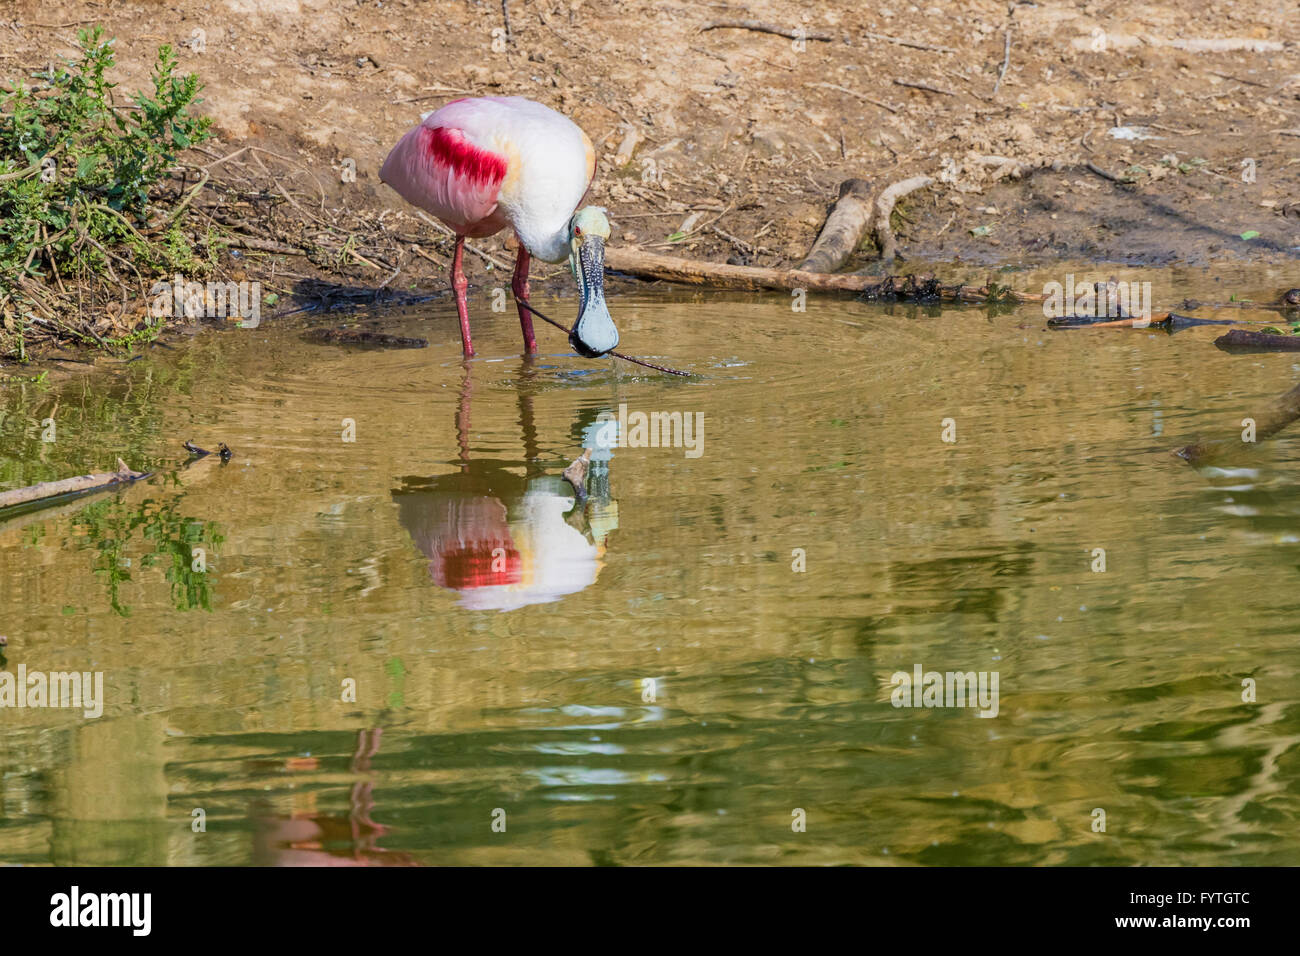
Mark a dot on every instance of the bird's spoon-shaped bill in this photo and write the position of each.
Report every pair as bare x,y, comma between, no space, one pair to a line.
594,334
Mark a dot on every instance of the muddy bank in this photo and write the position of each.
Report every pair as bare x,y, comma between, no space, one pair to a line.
1156,135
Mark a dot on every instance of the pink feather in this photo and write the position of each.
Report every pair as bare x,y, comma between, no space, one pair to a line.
437,168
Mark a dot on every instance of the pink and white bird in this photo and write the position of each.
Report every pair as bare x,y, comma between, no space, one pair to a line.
486,163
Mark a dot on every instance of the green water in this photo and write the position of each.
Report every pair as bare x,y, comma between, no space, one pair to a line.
501,642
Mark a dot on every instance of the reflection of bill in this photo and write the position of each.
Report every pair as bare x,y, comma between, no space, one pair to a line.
503,540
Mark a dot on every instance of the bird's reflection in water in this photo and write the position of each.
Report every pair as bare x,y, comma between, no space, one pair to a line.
503,540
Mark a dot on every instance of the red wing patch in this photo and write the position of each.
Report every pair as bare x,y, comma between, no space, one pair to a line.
450,149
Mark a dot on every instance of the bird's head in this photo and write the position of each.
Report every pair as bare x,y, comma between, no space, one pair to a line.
594,333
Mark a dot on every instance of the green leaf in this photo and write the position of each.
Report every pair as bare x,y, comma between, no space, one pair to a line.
982,231
1250,234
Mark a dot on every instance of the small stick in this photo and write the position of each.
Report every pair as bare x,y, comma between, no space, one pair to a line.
743,246
845,89
625,358
1094,168
1237,79
505,14
263,245
758,27
1006,62
923,86
910,43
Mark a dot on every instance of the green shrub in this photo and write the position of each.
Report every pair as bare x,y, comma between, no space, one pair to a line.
79,176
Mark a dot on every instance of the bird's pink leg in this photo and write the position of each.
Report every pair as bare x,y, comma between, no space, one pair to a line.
460,285
519,285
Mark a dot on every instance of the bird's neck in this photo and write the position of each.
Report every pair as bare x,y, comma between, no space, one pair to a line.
545,244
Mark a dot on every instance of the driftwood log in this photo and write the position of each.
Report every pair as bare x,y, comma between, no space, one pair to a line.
849,220
71,486
853,215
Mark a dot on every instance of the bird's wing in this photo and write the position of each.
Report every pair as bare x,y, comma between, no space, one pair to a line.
440,169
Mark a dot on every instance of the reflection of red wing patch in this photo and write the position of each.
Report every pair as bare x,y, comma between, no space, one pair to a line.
450,149
471,566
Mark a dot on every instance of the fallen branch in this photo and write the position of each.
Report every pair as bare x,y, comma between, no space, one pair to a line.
650,265
848,221
82,484
1169,321
1086,322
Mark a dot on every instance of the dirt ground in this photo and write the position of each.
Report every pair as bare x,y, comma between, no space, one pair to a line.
728,144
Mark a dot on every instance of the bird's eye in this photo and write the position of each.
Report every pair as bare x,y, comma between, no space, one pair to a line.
577,230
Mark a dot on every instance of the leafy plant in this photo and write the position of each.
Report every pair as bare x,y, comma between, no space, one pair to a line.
78,177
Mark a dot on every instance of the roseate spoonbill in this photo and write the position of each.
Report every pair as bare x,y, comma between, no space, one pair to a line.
485,163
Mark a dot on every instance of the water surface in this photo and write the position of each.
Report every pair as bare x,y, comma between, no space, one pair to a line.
500,639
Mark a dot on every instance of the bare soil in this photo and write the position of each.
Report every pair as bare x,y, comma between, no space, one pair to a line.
728,144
